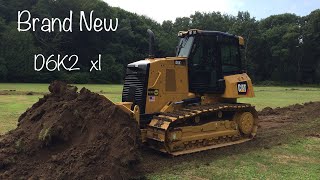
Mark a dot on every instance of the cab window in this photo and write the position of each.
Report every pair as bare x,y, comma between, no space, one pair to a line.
230,59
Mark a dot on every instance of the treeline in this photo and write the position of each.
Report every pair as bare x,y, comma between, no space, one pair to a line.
284,48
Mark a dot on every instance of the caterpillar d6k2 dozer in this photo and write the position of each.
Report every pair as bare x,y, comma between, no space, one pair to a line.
188,103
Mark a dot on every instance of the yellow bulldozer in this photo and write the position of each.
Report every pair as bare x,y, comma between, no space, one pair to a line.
188,103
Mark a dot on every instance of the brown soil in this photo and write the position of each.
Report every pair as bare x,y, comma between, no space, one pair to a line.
316,135
280,117
71,135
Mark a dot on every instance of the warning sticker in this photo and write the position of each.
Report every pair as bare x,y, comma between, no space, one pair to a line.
153,92
152,98
179,62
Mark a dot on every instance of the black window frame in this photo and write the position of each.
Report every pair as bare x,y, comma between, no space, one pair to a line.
238,59
219,39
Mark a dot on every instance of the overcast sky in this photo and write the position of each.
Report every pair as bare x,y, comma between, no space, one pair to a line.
161,10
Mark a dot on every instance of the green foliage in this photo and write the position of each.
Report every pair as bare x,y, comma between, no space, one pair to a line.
16,53
272,48
111,73
3,70
77,77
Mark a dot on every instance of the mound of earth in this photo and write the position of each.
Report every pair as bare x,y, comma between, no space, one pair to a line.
280,117
292,109
70,135
266,111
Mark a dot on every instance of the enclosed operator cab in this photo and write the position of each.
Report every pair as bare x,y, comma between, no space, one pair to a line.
211,56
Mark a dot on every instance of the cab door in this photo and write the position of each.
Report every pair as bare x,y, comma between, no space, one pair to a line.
204,66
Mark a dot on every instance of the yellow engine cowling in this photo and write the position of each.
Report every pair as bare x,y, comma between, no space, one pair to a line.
238,86
169,80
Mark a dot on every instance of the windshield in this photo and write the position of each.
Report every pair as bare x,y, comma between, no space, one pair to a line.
184,46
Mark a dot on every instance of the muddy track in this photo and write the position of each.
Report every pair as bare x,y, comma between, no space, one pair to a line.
276,127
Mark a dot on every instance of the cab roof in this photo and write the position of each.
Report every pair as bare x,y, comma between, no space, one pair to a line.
210,33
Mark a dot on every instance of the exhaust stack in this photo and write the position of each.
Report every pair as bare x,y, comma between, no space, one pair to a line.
151,43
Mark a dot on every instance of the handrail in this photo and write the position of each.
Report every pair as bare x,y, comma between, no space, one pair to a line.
154,84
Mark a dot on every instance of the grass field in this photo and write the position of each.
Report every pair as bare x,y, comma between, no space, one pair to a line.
15,102
297,158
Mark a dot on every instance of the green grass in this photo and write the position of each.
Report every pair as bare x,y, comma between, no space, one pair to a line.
282,96
11,106
295,160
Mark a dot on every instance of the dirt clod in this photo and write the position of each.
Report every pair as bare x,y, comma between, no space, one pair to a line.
71,135
316,135
267,111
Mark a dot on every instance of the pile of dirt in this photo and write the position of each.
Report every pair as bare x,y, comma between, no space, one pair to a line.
279,117
306,107
71,135
316,135
266,111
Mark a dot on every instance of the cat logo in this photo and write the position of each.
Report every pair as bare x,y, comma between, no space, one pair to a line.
180,62
242,88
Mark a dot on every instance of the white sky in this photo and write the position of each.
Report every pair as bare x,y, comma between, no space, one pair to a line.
161,10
